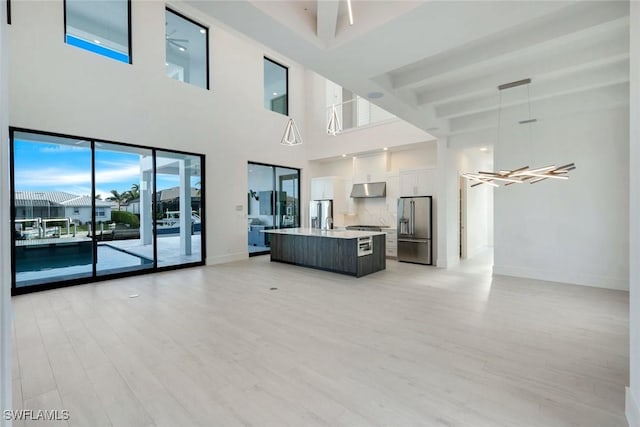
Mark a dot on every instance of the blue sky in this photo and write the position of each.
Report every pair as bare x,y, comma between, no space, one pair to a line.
57,167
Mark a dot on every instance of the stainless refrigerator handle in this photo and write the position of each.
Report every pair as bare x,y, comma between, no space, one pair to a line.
413,218
319,215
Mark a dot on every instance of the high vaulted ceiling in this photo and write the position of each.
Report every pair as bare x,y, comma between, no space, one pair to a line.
438,63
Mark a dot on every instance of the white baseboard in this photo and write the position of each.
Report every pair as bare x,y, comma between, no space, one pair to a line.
573,277
632,409
222,259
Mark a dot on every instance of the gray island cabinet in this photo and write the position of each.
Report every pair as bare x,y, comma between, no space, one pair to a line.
356,253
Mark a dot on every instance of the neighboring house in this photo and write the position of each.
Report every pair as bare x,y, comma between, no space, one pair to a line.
169,199
132,206
59,204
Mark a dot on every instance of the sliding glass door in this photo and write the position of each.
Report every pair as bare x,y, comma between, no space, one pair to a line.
273,201
124,180
86,209
52,209
178,208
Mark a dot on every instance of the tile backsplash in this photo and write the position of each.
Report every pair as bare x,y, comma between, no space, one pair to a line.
376,211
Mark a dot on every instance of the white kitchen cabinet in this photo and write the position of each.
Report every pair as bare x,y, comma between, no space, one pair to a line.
330,188
393,191
370,168
391,242
418,182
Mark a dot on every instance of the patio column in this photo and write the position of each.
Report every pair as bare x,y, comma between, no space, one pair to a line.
146,214
185,206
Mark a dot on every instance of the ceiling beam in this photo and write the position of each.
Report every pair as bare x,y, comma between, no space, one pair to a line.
584,79
578,18
599,53
327,19
596,99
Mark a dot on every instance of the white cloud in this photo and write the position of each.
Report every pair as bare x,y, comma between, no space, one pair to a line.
58,177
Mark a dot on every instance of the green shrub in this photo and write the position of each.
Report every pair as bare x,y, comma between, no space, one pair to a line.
122,217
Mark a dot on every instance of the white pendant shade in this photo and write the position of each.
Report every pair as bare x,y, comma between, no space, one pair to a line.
334,127
291,134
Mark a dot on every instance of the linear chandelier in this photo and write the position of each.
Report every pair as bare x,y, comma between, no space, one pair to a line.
291,135
520,175
523,174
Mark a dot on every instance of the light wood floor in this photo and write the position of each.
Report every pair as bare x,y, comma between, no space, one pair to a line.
409,346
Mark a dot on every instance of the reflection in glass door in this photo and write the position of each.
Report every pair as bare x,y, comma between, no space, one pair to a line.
124,178
273,201
288,184
52,204
178,208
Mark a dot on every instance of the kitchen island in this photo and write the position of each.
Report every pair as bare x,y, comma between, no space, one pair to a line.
356,253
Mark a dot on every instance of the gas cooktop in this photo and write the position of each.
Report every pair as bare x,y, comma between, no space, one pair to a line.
366,227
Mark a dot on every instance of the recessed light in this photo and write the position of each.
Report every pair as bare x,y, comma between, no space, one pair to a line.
203,31
375,95
354,157
181,49
275,93
385,148
166,63
344,155
484,149
96,41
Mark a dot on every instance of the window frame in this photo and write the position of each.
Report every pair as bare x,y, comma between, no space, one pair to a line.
129,37
206,34
8,12
96,278
286,75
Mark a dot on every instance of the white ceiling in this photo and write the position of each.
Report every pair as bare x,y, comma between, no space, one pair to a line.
438,63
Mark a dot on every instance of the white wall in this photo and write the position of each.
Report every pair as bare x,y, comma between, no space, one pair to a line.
573,231
633,392
6,316
80,93
321,146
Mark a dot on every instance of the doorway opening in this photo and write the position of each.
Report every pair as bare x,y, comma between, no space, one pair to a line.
273,201
475,204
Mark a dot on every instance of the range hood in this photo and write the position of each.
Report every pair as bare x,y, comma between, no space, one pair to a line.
370,189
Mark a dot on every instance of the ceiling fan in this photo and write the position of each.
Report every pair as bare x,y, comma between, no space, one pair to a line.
176,43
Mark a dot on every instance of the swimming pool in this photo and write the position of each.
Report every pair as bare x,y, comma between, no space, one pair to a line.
52,262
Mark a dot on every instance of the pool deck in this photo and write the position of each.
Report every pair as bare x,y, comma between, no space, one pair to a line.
168,249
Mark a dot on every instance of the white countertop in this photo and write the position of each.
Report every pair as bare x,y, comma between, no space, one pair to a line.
335,234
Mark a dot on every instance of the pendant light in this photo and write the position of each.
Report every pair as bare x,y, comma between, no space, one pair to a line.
334,127
523,174
291,134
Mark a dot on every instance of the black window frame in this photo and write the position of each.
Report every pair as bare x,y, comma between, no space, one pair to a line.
204,27
275,188
286,69
95,278
129,36
8,12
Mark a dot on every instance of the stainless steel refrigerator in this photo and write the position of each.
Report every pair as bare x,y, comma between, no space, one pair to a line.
321,214
414,230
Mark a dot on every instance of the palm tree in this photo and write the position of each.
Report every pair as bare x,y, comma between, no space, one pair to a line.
118,197
134,193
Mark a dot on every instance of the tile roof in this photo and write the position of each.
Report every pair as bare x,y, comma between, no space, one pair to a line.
59,198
